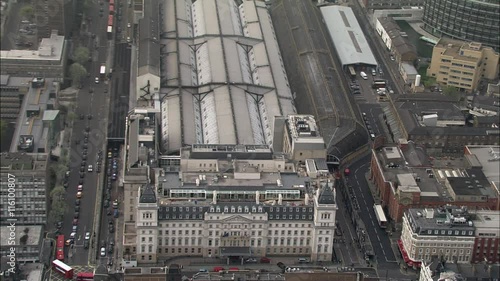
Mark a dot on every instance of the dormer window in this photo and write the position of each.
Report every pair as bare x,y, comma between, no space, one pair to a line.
260,209
211,209
240,209
254,209
246,209
226,209
218,209
233,209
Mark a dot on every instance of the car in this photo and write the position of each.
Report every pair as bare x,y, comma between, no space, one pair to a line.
84,157
304,260
72,235
203,270
79,194
68,242
82,169
103,252
108,196
86,244
65,184
87,235
80,181
369,127
103,243
96,80
59,224
393,58
77,209
98,169
265,260
77,202
363,75
76,215
74,228
80,188
128,25
111,229
111,241
129,40
380,71
356,92
251,260
218,268
110,249
115,204
110,223
82,175
87,129
90,168
109,212
106,204
85,145
75,221
116,213
372,136
374,72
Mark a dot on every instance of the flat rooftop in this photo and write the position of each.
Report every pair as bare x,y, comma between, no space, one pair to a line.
489,158
33,232
411,164
50,49
487,219
452,218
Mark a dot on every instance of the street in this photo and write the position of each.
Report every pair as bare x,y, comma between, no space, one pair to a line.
92,102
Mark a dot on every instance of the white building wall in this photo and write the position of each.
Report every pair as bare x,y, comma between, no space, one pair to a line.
386,38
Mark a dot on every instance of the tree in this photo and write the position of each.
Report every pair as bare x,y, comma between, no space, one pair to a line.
77,72
451,92
57,193
429,82
59,171
71,116
3,127
27,12
81,55
57,211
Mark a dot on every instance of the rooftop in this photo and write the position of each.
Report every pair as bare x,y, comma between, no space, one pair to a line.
30,121
149,39
50,49
455,47
409,69
486,219
471,182
141,138
305,45
303,128
238,84
16,161
347,36
33,233
489,159
423,220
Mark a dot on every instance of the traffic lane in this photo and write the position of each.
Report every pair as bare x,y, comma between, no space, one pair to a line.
374,114
381,245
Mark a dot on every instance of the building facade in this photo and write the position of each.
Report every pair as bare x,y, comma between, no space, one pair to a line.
467,20
487,237
29,174
251,205
49,61
27,242
390,4
444,232
463,65
404,182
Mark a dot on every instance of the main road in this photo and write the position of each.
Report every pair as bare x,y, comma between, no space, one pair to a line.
92,101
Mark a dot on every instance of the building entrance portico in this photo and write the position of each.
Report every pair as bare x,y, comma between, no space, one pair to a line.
235,253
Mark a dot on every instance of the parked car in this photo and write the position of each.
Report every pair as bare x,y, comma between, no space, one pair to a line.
87,235
86,244
103,252
265,260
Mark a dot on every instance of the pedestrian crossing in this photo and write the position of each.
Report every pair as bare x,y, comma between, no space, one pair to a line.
55,275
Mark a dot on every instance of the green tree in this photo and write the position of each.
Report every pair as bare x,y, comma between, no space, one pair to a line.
57,193
77,72
59,170
57,211
452,92
71,116
3,127
429,82
81,55
27,12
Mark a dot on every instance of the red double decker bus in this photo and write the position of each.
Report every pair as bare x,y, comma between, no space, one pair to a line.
85,276
110,20
111,9
111,2
63,268
60,247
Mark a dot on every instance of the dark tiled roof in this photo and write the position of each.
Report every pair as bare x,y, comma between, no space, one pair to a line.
326,196
148,194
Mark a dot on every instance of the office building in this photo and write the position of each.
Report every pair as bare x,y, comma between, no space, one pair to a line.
227,201
390,4
60,15
467,20
437,122
438,270
405,177
12,92
445,232
487,234
29,172
49,61
28,241
463,64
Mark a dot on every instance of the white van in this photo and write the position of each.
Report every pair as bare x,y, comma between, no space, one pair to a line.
363,75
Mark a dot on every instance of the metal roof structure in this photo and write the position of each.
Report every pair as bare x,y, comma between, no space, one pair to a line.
223,80
316,77
149,40
347,36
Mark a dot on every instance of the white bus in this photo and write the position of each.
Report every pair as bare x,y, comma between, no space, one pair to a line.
379,212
